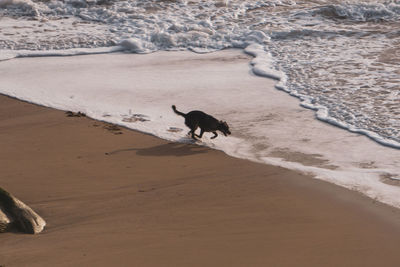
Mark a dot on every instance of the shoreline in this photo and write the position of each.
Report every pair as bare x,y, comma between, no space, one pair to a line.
269,126
153,204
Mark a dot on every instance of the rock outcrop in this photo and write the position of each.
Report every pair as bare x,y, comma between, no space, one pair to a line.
14,214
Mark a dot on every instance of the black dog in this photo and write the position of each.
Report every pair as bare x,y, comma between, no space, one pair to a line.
207,123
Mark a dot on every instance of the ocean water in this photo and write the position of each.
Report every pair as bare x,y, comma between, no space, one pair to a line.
339,58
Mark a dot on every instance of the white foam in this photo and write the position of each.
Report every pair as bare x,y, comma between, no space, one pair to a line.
9,54
363,11
263,62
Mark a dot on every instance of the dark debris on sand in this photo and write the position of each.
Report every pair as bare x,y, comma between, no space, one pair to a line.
113,128
108,126
75,114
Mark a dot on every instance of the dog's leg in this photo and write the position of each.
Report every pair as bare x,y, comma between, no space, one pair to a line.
201,133
192,133
215,135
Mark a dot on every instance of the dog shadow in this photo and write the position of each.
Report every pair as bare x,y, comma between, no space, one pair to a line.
170,149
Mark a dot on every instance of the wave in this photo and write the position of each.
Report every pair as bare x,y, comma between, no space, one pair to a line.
10,54
263,65
23,7
363,12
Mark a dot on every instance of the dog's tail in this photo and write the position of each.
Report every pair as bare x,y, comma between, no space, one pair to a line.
178,112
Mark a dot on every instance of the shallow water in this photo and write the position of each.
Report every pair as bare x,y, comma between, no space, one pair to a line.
339,58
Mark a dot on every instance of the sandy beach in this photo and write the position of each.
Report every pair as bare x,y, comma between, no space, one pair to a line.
116,197
121,198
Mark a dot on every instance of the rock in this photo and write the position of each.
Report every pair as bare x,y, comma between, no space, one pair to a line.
4,221
16,214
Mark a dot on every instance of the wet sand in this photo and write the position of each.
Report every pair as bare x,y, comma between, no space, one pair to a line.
116,197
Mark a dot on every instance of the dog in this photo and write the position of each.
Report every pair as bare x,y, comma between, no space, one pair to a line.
198,119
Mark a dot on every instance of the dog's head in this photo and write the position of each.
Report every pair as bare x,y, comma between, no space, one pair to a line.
224,128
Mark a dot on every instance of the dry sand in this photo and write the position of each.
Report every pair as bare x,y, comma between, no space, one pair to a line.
122,198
